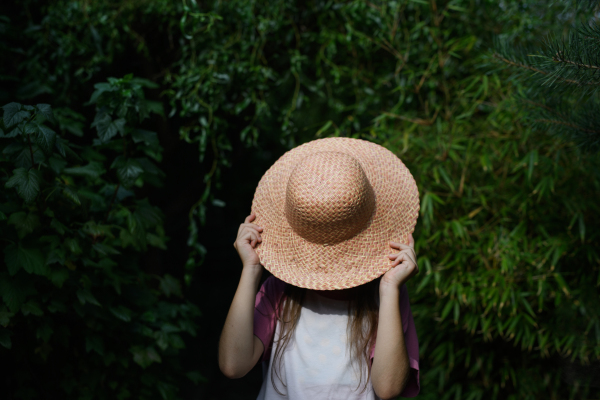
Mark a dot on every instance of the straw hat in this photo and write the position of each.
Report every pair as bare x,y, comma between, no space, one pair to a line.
329,208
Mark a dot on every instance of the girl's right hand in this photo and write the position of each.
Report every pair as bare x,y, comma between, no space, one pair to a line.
247,239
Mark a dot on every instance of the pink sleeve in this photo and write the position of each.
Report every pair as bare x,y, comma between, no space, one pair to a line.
265,315
412,345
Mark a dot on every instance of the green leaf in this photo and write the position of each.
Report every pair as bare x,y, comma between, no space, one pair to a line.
62,146
71,193
13,114
23,222
147,137
12,149
44,332
446,178
45,138
95,343
85,296
57,306
5,338
5,316
527,306
23,158
27,183
9,133
148,214
196,377
59,276
105,249
144,357
14,291
57,164
156,241
93,170
121,312
562,283
31,260
107,128
46,111
447,309
58,227
32,307
92,228
69,120
170,328
31,128
73,245
170,286
128,170
100,88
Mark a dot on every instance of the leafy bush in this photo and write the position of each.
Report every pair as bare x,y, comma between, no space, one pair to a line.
75,299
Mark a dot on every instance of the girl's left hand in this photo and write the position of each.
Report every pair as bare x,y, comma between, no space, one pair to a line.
404,266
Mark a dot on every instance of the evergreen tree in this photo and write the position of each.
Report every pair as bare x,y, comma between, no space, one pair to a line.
559,79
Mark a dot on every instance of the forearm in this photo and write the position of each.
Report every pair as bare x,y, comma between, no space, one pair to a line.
390,369
237,350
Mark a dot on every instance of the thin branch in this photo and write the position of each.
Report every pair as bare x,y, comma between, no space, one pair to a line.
570,125
418,121
545,107
559,58
515,64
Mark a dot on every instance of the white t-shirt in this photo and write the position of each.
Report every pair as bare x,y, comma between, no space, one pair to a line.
316,362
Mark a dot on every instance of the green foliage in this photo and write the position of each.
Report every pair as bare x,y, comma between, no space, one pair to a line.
507,294
74,296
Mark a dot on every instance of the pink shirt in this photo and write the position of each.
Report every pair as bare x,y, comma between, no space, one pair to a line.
265,322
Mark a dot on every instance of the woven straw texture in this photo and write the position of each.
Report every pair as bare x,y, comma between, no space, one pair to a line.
329,208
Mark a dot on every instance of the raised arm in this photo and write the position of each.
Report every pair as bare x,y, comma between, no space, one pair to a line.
391,368
239,349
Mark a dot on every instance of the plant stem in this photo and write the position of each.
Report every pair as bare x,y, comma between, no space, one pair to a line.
30,150
112,200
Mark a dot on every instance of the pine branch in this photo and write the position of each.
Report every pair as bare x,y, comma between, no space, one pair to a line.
559,57
568,124
539,71
559,117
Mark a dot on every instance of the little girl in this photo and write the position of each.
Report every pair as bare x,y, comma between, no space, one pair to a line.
334,320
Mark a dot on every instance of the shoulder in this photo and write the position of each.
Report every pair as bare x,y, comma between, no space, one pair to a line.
273,288
273,285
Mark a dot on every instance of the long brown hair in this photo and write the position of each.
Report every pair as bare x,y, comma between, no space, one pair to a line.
363,313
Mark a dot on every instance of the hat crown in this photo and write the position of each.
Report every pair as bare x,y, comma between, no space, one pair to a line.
329,198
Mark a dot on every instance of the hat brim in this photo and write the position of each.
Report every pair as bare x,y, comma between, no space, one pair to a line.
352,262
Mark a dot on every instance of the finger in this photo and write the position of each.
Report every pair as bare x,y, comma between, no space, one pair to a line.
249,237
250,218
253,226
404,257
398,245
252,230
408,251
